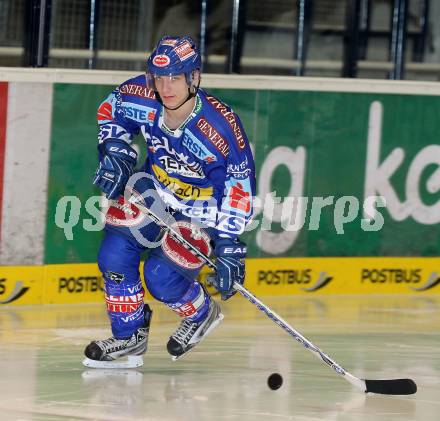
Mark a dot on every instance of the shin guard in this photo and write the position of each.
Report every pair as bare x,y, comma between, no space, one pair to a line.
194,304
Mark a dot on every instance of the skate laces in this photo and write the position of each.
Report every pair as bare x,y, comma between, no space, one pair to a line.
185,331
112,343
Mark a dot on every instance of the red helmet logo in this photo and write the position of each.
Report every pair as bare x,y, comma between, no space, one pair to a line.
161,60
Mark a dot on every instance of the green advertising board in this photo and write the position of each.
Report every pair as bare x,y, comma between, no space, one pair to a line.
321,158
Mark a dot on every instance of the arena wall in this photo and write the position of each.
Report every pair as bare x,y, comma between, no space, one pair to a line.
348,176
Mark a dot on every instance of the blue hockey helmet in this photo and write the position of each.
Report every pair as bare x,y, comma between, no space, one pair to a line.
173,56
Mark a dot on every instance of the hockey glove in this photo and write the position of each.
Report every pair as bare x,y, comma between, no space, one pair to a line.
230,265
117,160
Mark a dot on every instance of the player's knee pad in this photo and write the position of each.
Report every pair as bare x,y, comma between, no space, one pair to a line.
163,282
186,297
119,254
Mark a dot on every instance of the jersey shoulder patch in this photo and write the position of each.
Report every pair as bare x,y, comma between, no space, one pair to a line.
137,87
213,132
229,118
136,102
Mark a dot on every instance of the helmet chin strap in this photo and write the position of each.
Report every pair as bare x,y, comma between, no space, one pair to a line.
190,95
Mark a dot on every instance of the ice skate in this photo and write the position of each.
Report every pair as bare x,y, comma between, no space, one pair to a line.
120,353
189,334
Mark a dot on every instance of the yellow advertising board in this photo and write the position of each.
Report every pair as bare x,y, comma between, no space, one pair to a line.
73,283
343,275
21,285
83,283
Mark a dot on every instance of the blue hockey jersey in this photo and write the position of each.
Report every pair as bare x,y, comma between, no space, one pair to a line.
204,168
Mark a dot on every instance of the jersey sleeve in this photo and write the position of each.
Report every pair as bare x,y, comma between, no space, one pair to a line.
112,121
235,182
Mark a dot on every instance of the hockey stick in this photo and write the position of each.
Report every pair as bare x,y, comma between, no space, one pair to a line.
385,387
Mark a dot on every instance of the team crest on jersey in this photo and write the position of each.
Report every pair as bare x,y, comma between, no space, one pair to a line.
179,253
156,144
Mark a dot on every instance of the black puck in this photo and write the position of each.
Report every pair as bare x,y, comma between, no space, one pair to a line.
274,381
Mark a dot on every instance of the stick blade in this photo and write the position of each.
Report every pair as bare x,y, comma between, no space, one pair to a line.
391,387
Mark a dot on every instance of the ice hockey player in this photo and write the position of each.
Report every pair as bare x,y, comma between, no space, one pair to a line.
200,166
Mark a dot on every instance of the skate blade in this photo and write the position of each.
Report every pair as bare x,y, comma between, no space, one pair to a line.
213,326
132,361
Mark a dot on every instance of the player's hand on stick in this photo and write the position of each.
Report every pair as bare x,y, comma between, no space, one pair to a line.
230,256
117,160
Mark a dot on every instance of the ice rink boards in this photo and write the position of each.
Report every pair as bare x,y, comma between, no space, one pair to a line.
42,378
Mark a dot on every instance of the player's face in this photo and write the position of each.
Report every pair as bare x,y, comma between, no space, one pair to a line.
172,89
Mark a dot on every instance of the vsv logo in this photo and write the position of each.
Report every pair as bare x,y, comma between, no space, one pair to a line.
113,131
18,291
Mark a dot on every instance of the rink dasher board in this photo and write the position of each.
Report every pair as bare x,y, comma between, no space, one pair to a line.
222,81
83,283
318,158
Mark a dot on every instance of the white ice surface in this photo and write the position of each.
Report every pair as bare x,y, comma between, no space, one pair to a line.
225,378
